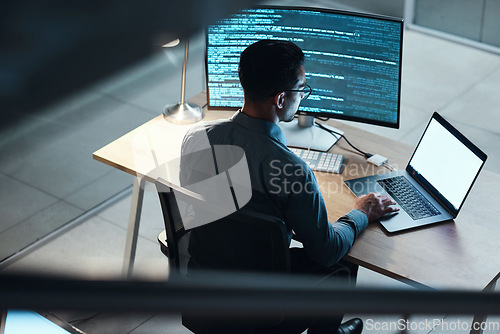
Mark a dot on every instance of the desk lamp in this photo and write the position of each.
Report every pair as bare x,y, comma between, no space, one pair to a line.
182,112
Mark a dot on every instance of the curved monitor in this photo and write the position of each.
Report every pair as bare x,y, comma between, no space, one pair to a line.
353,60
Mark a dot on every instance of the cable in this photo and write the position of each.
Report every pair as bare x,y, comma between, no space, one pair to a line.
335,134
365,154
388,166
301,113
324,119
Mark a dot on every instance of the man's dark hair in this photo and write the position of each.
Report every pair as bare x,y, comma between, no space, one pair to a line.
268,67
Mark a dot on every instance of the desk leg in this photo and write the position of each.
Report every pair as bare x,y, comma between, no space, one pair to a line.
133,227
479,319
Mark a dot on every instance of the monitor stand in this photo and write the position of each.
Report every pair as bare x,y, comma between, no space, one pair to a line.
304,134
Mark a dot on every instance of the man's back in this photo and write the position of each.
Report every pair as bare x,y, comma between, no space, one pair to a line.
282,184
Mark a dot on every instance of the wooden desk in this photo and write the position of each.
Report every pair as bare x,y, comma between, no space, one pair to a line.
145,153
459,254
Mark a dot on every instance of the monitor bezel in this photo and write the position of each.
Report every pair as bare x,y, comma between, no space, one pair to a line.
325,114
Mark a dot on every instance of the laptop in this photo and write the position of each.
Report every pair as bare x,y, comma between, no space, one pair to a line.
435,183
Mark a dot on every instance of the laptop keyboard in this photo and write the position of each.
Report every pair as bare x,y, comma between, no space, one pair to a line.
408,197
321,161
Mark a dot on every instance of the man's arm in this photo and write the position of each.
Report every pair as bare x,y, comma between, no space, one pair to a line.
327,242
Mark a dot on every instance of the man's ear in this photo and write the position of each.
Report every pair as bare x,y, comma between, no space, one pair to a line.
279,100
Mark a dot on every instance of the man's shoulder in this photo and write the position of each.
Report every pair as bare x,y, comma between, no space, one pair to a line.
207,125
202,129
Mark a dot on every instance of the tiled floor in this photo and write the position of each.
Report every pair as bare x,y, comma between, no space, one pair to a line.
46,163
460,82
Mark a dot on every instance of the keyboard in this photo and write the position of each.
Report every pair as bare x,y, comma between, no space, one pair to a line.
408,197
320,161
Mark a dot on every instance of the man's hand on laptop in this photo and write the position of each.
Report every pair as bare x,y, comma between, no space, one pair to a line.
375,205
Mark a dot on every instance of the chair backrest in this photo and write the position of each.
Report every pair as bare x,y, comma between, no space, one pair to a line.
177,237
242,241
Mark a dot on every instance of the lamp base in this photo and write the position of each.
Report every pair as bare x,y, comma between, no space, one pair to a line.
186,113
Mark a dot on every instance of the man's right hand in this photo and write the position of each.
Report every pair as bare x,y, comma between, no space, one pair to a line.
375,205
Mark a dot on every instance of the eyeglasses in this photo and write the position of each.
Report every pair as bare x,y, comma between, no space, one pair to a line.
307,90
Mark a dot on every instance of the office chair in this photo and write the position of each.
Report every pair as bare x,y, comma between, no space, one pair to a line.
252,241
174,239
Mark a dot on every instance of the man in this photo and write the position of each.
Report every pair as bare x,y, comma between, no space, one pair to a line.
273,78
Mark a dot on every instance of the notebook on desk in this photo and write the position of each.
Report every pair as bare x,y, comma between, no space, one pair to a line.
436,181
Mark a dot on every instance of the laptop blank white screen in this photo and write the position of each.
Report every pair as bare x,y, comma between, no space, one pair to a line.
446,163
